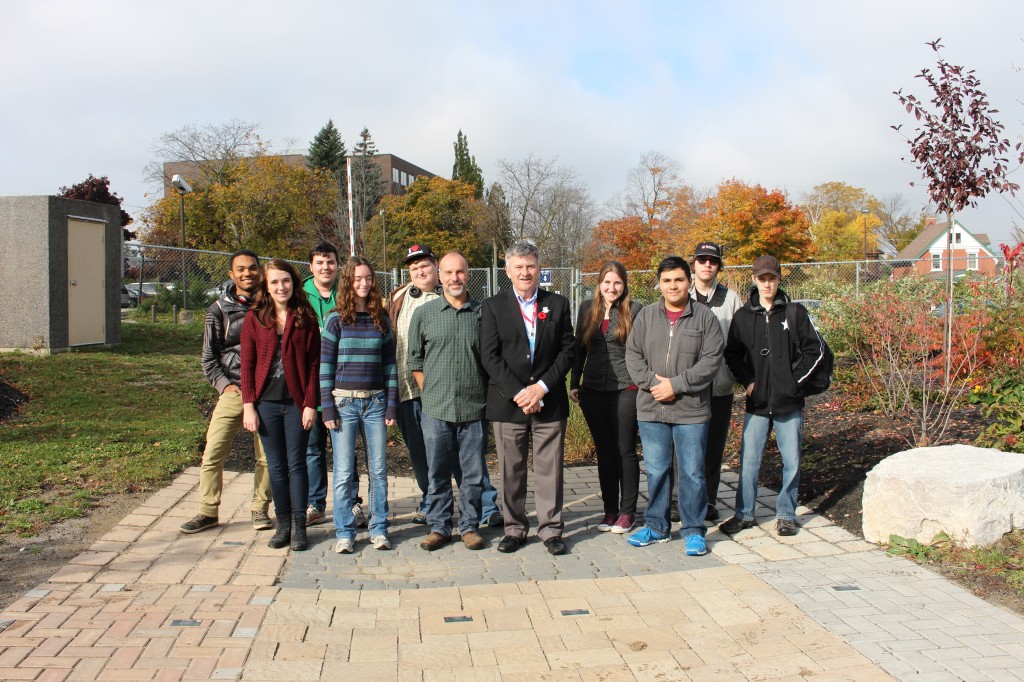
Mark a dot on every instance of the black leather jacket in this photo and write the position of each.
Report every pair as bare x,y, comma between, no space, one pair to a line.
221,338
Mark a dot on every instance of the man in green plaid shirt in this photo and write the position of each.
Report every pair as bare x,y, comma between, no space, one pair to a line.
444,358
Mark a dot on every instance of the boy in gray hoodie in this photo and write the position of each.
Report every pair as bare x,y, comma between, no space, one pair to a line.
673,354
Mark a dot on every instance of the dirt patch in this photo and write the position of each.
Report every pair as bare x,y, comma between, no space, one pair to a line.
10,399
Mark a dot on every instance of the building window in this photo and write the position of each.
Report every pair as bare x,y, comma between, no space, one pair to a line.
405,179
394,175
956,237
972,261
936,261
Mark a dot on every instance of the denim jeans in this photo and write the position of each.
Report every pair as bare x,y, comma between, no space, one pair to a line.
316,464
789,434
448,443
410,413
689,441
284,441
367,413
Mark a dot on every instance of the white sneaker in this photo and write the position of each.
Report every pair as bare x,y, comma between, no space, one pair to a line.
343,546
381,542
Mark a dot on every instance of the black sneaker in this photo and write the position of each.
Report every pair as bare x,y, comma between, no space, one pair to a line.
736,524
712,514
199,523
786,527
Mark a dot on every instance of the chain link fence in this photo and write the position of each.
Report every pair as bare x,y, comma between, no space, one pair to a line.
823,282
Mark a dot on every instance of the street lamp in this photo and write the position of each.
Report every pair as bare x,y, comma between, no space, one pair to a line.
865,212
384,239
183,188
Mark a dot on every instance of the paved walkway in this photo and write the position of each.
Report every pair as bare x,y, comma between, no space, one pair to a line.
146,603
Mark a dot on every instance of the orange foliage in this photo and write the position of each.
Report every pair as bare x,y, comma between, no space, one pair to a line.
627,240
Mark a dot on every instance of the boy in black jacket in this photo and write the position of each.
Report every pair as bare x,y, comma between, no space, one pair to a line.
772,361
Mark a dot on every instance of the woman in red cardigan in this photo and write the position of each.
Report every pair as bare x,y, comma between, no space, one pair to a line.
280,364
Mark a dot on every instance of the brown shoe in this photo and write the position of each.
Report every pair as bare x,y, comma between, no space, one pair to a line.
435,541
472,540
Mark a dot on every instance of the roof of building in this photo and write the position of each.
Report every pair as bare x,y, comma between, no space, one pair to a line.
923,242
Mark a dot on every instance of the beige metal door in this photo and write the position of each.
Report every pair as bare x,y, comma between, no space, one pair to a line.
87,309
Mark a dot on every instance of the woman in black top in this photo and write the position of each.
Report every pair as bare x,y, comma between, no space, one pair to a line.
607,395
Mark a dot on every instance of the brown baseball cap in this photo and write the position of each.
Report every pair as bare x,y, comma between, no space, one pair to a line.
767,265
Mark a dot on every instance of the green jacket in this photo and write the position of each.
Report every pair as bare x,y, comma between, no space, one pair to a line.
321,306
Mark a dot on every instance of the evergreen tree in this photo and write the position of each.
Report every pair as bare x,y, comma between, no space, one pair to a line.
367,184
465,168
328,151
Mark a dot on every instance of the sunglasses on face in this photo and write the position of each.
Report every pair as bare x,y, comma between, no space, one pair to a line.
704,260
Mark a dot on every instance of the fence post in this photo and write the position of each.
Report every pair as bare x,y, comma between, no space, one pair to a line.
152,313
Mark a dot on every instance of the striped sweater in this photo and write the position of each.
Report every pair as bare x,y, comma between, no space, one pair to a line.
356,357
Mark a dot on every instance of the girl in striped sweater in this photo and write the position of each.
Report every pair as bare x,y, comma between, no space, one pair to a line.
359,392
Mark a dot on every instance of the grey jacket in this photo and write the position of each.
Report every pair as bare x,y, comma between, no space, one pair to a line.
725,382
689,355
602,364
221,358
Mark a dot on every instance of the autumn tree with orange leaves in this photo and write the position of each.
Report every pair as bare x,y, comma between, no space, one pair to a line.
748,220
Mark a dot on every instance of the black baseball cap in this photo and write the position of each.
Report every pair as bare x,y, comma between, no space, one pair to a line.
417,251
709,249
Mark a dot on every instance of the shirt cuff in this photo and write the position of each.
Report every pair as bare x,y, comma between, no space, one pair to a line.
544,386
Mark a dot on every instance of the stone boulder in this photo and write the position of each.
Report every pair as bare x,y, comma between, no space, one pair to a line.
975,495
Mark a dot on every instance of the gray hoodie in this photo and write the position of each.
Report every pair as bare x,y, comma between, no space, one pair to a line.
689,355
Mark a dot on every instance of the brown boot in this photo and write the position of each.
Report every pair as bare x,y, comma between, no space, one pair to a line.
435,541
473,540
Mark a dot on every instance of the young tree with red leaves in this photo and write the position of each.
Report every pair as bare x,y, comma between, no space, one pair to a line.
98,190
959,150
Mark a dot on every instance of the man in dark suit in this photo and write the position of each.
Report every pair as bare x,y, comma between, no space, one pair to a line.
526,347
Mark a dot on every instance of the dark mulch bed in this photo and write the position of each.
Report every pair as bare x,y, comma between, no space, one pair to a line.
10,399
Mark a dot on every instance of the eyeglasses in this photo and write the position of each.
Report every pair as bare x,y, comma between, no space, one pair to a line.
704,260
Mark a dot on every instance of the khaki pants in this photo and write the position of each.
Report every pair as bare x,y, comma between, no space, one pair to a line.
224,425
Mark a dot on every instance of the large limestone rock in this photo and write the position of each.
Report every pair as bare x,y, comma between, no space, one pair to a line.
973,494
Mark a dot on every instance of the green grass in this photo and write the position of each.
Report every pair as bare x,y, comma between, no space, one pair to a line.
100,421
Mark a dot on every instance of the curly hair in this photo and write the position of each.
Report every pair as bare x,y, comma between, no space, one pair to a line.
596,314
263,306
346,305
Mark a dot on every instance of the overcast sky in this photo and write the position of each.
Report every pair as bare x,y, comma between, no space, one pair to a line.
785,94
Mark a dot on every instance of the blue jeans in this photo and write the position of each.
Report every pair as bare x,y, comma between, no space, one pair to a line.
284,441
689,441
354,413
410,414
449,443
789,434
316,464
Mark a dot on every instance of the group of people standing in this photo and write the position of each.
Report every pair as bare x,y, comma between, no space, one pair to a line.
295,361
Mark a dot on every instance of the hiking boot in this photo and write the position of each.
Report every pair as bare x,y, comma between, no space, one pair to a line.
343,546
357,512
646,536
199,522
381,542
786,527
712,514
315,516
420,517
623,524
283,536
261,520
300,542
495,520
473,540
696,545
607,521
434,541
736,524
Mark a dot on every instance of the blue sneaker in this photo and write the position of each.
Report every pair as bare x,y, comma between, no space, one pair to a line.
696,546
645,536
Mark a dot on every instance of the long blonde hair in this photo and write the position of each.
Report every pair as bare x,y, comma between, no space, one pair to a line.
592,323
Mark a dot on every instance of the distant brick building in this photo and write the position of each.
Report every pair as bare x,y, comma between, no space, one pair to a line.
396,171
926,255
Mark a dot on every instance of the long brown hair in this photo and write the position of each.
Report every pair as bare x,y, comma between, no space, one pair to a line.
263,306
346,305
592,323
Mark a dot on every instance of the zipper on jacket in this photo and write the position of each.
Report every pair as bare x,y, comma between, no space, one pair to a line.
668,355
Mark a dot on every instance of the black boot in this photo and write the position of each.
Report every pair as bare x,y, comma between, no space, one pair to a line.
299,541
283,534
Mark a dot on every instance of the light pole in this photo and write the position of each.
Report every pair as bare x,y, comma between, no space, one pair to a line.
183,188
865,212
384,239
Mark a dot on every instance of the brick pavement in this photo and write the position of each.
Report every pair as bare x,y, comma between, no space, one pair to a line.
146,603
